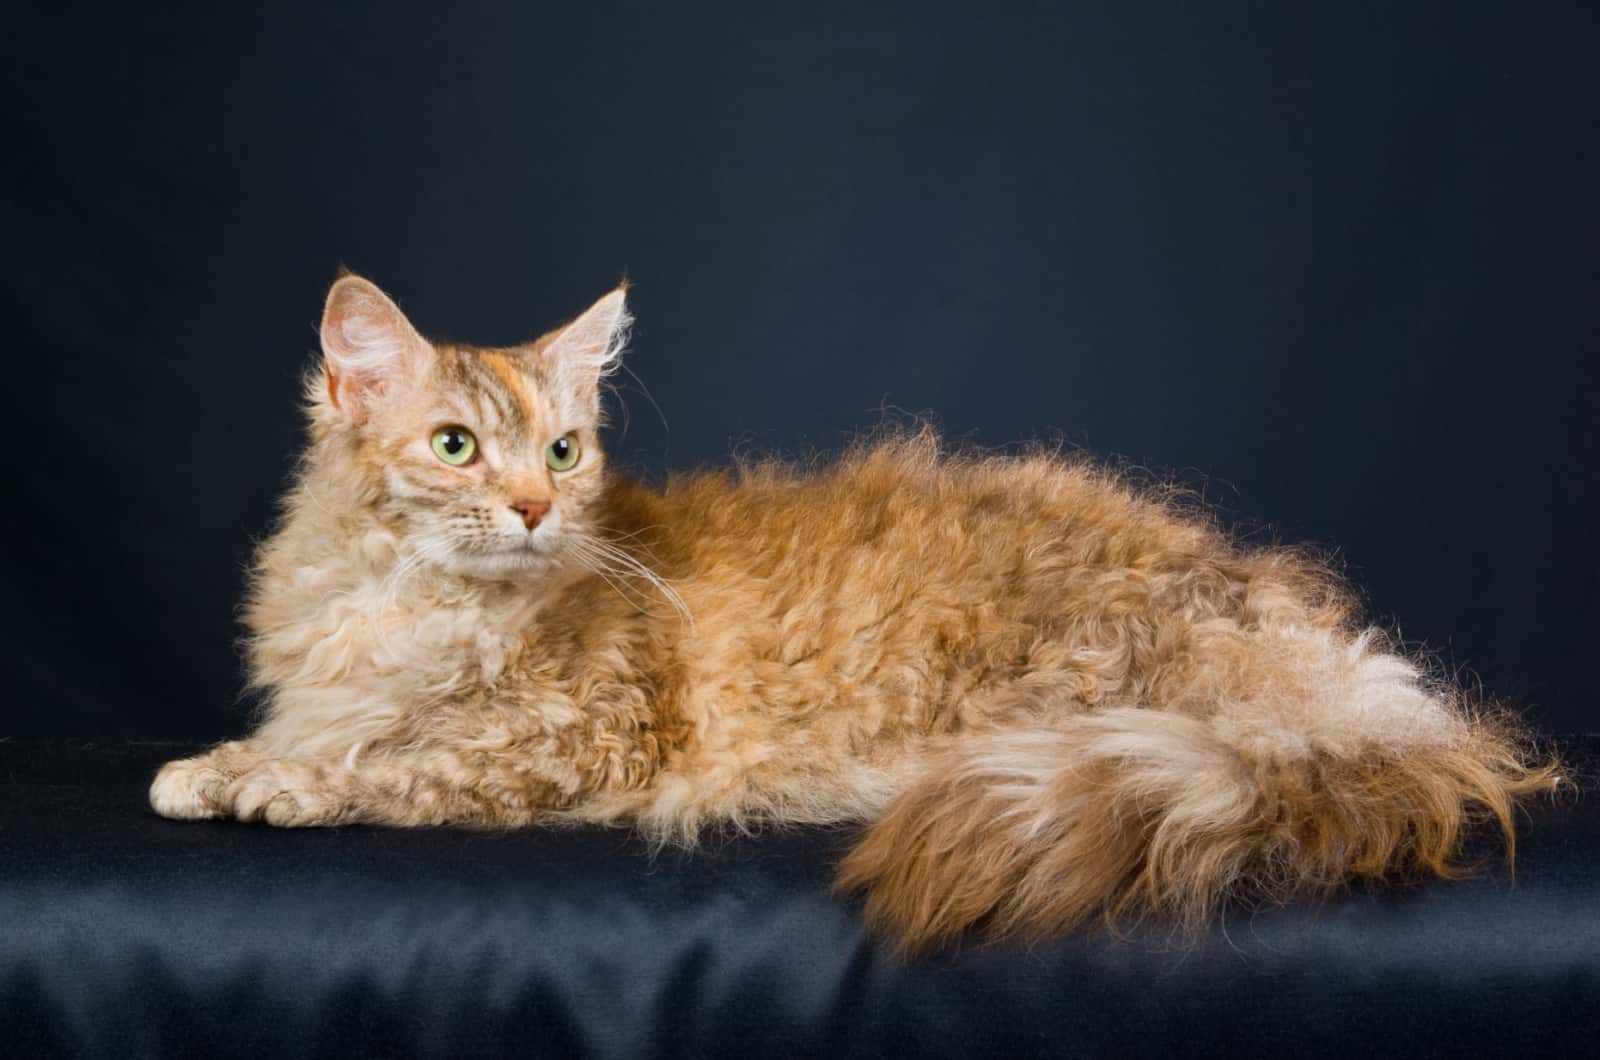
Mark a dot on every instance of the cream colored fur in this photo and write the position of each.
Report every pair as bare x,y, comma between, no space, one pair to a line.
1050,695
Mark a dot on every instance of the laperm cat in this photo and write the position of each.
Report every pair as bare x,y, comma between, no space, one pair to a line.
1048,694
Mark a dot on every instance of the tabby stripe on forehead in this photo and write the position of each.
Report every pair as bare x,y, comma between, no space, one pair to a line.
513,380
491,398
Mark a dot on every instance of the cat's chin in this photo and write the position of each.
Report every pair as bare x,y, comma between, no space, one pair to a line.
511,564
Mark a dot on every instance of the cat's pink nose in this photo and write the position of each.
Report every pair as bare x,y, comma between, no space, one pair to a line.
531,511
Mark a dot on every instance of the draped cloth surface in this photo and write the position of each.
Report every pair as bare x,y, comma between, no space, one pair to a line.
122,933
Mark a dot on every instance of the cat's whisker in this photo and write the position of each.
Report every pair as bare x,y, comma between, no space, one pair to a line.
622,565
648,396
605,533
403,570
617,581
637,568
389,593
600,563
621,589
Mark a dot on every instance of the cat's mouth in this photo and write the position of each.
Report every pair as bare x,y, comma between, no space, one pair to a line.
508,560
518,553
532,546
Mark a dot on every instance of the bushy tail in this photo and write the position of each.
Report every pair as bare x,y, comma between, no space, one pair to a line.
1128,812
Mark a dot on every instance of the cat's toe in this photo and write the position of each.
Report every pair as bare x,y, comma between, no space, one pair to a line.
188,790
281,794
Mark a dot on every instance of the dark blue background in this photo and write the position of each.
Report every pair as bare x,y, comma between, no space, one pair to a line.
1331,264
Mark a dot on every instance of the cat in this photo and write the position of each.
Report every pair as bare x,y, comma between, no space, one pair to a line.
1048,695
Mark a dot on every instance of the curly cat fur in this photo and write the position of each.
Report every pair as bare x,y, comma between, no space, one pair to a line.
1049,694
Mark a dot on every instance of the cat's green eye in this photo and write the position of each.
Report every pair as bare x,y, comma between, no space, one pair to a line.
563,453
454,445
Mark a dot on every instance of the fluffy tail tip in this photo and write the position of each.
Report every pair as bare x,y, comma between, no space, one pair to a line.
1131,813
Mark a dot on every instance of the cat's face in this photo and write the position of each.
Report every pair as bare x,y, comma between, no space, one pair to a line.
486,461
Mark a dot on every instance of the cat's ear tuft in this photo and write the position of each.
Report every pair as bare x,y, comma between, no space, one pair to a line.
368,345
590,348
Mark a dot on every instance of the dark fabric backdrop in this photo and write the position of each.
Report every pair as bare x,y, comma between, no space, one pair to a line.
1331,264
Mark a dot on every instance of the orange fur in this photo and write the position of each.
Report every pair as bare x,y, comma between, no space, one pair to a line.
1050,694
512,380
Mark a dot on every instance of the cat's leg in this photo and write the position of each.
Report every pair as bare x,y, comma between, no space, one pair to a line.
413,789
233,780
466,774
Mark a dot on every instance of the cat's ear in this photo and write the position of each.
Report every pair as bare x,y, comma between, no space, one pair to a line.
368,345
590,348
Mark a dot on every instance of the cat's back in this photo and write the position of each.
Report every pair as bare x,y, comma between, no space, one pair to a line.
901,521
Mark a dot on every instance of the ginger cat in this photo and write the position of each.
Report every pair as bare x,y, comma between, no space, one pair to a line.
1046,694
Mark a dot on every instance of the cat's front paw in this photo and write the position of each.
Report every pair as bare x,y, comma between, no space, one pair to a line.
190,789
286,794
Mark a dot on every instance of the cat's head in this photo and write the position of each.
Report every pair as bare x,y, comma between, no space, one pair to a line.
485,462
